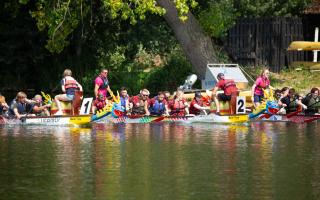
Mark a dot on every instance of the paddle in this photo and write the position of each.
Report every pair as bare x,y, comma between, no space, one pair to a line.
23,119
158,119
293,113
311,119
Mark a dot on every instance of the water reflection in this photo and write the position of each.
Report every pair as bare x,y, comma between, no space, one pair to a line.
160,161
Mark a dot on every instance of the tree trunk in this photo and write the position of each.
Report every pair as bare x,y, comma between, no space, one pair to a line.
195,43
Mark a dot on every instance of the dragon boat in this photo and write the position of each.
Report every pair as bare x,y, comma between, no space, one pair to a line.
268,111
113,113
72,114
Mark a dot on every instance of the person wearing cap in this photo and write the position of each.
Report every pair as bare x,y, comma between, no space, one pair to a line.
261,83
197,105
229,90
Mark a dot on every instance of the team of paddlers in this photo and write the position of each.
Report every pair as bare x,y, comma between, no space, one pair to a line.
163,103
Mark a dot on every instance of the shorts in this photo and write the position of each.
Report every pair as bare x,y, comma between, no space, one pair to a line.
257,98
223,97
70,97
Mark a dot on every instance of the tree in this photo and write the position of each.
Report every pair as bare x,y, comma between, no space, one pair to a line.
197,46
61,18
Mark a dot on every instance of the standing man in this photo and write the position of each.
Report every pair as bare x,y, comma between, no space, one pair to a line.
101,84
230,92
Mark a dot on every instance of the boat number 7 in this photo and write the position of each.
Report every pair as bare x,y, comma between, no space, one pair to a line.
241,105
85,106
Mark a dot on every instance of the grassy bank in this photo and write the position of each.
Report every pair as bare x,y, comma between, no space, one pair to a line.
302,81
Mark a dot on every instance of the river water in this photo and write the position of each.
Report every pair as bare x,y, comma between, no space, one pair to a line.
161,161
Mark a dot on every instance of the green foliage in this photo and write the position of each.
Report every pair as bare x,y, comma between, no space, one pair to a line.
262,8
171,76
59,20
218,18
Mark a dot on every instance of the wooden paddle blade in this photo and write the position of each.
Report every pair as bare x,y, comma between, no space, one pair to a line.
293,114
311,119
159,119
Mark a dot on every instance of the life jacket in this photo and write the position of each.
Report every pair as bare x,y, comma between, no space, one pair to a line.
293,106
138,105
228,83
70,84
22,108
312,103
105,83
100,103
194,110
123,101
157,108
177,107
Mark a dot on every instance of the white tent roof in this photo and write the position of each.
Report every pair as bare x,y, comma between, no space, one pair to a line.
231,71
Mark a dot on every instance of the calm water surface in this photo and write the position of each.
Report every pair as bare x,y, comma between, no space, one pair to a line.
161,161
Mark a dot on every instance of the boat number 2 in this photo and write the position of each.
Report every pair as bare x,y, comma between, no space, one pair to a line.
241,105
85,106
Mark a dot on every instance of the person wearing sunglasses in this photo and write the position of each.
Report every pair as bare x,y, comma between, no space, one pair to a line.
101,84
139,103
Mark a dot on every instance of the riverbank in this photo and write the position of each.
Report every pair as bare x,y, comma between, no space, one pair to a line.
302,81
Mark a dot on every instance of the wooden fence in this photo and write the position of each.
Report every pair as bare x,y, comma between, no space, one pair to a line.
264,42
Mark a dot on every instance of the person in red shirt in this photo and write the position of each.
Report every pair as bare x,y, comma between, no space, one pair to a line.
99,103
178,105
139,103
229,89
197,105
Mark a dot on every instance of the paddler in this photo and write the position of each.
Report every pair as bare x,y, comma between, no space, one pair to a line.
99,103
158,105
179,105
197,106
3,106
290,101
39,109
312,100
21,106
139,103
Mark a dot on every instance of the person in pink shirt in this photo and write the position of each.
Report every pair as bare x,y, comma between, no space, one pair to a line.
101,84
261,83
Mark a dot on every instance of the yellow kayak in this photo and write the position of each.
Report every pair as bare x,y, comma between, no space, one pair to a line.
304,46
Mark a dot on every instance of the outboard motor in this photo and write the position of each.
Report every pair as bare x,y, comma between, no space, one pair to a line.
189,82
